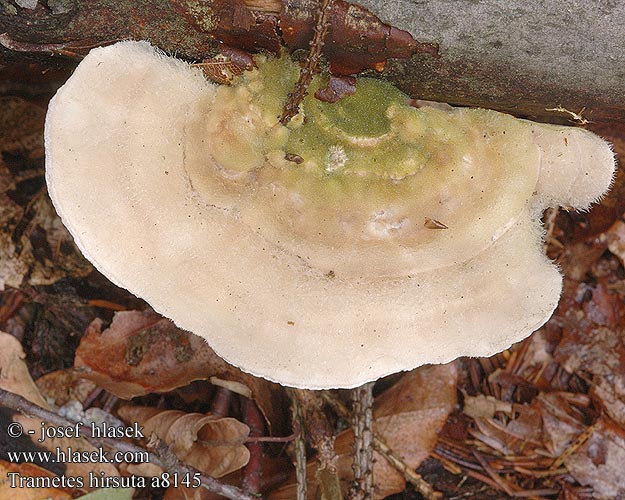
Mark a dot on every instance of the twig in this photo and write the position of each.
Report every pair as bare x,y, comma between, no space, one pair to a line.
61,49
274,439
93,395
362,488
17,46
221,402
503,484
110,402
577,117
252,472
294,99
159,453
550,226
317,426
300,448
536,493
321,436
540,473
424,488
571,448
13,300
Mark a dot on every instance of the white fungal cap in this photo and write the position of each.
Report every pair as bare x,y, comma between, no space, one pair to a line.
314,277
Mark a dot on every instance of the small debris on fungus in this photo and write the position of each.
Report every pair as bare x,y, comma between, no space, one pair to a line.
263,237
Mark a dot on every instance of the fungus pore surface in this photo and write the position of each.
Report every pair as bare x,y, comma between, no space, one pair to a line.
365,238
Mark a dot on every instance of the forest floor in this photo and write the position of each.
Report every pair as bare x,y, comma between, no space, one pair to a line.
544,419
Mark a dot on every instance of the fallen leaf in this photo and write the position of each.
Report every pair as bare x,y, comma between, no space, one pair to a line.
14,377
14,492
541,431
12,268
562,422
211,445
482,406
14,374
408,417
599,461
33,241
62,386
142,353
48,248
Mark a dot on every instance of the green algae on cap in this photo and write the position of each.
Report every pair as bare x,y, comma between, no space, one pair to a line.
372,169
303,253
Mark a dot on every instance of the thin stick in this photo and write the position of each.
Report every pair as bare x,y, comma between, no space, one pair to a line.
291,108
252,472
550,225
422,486
300,448
221,402
363,442
503,484
321,437
159,453
17,46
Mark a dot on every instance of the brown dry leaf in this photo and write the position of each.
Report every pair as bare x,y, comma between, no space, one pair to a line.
518,436
482,406
226,66
222,72
30,470
407,417
599,461
48,248
62,386
542,431
142,352
33,241
211,445
562,421
14,377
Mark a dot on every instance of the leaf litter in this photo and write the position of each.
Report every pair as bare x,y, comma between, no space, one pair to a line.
34,245
544,419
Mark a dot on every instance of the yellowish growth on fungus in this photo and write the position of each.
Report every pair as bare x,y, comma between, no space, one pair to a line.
300,252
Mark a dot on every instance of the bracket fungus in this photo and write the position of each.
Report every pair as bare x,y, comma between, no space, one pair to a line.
365,238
